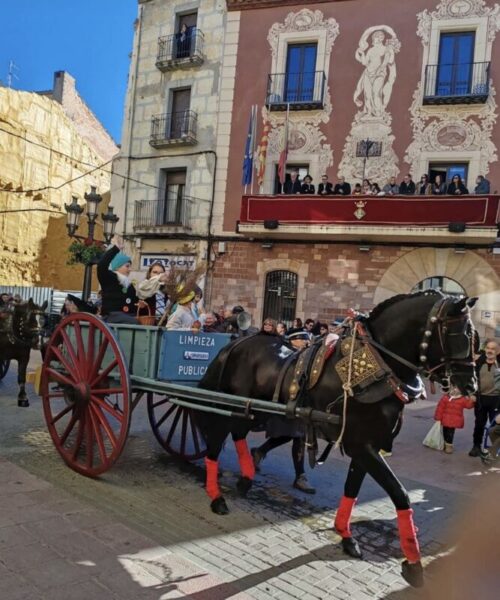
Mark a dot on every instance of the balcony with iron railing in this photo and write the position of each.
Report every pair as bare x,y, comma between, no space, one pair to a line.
460,220
465,83
174,129
156,216
299,91
177,52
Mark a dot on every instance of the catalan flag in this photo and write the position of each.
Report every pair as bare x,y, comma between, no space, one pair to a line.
262,156
284,152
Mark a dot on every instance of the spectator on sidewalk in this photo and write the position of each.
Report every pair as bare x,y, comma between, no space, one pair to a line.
450,413
488,400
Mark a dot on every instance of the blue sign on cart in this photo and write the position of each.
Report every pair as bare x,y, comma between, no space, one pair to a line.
185,355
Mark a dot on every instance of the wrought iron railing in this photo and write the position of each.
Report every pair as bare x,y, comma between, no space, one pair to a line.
457,83
167,212
174,128
301,91
180,50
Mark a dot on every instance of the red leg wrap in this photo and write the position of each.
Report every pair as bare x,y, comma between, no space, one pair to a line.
245,458
212,487
408,535
343,517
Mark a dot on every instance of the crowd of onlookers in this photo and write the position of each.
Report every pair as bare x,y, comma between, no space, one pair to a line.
407,187
7,300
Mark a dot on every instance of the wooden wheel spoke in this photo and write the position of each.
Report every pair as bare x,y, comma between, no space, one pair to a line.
71,352
64,411
90,349
194,431
98,437
184,430
174,425
160,402
78,442
165,416
62,359
105,425
107,391
68,430
114,412
100,355
89,440
55,395
80,349
59,377
104,373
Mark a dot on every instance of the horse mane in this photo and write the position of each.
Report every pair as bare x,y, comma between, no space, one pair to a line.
385,304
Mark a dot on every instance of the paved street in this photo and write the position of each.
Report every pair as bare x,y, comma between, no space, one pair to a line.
144,529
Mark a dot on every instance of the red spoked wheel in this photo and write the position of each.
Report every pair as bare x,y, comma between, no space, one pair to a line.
4,367
175,428
85,391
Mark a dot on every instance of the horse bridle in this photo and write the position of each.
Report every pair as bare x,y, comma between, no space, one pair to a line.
437,322
24,336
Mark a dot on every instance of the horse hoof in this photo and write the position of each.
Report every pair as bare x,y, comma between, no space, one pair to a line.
243,486
413,573
23,402
219,506
351,547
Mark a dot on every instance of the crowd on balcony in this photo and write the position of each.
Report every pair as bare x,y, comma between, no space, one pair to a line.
407,187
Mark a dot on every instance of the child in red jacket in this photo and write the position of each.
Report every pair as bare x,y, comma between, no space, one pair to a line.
450,411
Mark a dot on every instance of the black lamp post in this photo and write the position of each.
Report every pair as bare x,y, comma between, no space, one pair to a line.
74,211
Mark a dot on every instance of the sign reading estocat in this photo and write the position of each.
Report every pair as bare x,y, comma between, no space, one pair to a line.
185,356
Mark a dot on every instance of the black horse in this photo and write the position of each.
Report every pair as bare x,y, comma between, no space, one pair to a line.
21,328
422,333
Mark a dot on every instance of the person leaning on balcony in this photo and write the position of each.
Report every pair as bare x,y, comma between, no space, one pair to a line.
357,190
482,185
407,186
307,187
325,188
391,188
424,187
439,187
183,42
342,188
457,187
119,298
367,187
293,185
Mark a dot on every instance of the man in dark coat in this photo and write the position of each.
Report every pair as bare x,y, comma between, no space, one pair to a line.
342,188
307,187
325,188
407,186
119,298
293,185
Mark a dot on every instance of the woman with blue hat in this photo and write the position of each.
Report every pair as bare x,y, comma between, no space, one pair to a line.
119,298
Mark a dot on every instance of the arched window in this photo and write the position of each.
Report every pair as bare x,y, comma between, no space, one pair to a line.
280,296
444,284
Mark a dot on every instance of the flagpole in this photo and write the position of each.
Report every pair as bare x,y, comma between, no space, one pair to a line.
254,135
285,149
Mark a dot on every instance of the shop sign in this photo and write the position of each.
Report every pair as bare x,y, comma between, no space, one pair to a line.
182,261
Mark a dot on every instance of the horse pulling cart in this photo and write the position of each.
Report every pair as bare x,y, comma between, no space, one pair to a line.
94,375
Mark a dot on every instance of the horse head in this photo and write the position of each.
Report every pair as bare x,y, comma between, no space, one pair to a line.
431,334
29,322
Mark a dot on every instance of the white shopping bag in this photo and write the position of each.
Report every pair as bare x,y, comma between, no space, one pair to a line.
434,438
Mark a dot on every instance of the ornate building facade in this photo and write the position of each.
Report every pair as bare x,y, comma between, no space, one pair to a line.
360,89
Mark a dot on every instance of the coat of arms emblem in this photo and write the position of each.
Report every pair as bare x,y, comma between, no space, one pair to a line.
360,212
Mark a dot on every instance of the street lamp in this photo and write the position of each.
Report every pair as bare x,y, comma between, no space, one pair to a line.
74,210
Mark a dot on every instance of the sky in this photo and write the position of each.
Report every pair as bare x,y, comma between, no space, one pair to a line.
91,39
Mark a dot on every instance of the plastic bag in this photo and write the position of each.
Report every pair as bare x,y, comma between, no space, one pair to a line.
434,438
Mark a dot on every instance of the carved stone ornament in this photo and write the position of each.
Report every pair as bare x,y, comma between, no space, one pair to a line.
466,127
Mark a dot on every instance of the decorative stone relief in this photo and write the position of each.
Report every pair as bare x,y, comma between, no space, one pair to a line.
458,128
376,51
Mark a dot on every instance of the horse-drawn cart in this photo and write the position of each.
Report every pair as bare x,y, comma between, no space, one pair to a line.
95,374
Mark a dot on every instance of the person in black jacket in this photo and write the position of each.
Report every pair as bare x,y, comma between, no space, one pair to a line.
325,188
407,186
119,298
342,188
293,185
488,401
457,187
439,186
307,187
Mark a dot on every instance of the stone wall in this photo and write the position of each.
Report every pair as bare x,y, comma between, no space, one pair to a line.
40,146
335,277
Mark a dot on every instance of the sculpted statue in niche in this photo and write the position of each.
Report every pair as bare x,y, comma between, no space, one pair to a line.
374,88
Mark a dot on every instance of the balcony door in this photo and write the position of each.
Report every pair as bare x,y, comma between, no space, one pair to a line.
455,68
300,72
171,208
179,118
448,171
185,39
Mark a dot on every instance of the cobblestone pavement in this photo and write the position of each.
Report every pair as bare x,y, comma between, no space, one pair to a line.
144,529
